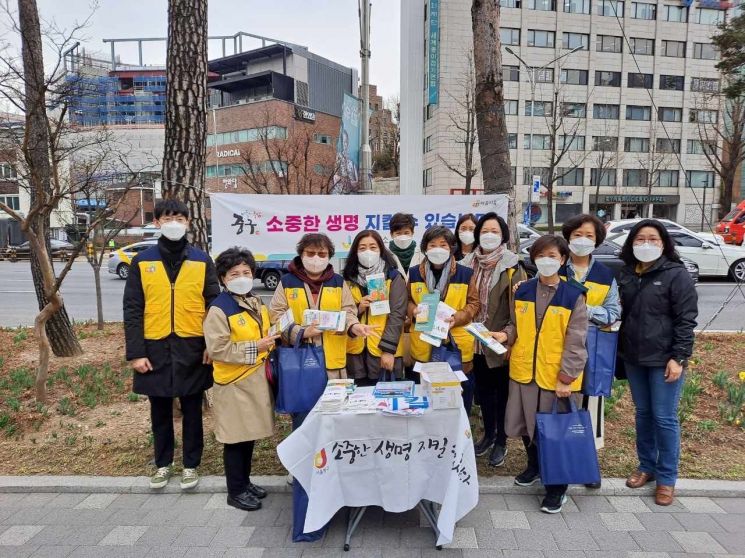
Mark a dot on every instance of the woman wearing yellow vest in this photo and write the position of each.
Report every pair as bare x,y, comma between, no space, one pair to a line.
382,353
237,334
585,233
457,288
549,355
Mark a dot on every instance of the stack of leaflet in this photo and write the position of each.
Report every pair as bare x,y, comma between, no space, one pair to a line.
361,402
404,406
325,320
332,400
385,390
346,383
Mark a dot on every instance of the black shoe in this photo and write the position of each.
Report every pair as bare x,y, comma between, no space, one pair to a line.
257,491
594,485
498,453
553,503
528,477
483,446
245,501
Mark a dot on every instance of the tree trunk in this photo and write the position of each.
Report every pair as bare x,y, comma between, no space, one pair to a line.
489,103
550,207
57,326
725,195
186,111
99,298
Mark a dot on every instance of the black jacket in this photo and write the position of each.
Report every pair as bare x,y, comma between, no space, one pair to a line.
177,361
659,313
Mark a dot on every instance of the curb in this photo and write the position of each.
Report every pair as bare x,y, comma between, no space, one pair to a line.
278,484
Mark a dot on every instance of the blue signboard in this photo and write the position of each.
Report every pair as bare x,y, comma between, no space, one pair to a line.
433,54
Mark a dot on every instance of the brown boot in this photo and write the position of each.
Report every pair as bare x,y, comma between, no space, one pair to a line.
663,496
637,479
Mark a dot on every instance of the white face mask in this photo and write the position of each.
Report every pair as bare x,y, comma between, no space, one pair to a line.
647,252
316,264
582,246
438,256
466,237
368,258
490,241
403,241
547,266
240,285
173,230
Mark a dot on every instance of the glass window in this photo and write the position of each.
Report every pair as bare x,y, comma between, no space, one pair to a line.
672,83
608,43
636,145
683,239
640,81
638,112
602,177
605,112
700,179
7,171
572,143
544,75
538,38
704,51
705,85
543,5
427,178
428,144
539,108
512,141
574,110
511,73
577,6
634,177
675,49
540,141
509,3
641,10
13,202
670,114
571,177
708,16
510,107
604,143
667,179
641,46
608,79
575,40
665,145
324,139
509,36
703,116
676,13
610,8
539,171
574,77
700,147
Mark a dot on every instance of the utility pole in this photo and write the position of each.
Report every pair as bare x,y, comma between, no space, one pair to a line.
365,7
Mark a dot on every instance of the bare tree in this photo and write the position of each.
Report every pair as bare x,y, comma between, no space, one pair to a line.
605,164
653,162
463,125
489,100
393,104
186,111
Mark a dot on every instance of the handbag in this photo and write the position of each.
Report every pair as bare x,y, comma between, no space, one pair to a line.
448,352
301,376
602,347
566,447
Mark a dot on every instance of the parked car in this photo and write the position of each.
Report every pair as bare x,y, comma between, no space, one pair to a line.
270,272
527,232
732,227
625,225
120,260
60,249
608,253
713,260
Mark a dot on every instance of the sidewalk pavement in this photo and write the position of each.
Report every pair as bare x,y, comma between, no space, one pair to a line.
106,517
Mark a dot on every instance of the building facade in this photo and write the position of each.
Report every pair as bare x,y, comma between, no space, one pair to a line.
626,106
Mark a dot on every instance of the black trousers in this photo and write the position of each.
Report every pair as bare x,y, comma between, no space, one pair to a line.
492,389
533,463
237,461
161,418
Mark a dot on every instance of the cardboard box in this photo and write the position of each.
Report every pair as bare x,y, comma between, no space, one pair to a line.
441,384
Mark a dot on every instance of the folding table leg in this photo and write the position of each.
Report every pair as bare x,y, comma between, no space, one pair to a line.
353,520
428,510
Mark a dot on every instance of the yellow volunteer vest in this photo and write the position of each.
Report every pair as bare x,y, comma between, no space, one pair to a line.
598,282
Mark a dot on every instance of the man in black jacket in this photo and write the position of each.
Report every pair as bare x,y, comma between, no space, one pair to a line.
168,289
660,307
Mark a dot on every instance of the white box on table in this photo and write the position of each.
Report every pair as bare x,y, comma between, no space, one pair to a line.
441,384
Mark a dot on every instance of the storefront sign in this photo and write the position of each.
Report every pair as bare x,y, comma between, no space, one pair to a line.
302,113
433,55
630,198
229,153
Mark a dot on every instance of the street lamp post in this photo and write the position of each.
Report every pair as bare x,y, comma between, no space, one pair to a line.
531,79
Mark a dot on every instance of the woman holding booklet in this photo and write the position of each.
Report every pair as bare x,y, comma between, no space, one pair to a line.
439,277
496,271
379,291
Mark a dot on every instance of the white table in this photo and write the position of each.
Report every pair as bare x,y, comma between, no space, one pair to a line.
360,460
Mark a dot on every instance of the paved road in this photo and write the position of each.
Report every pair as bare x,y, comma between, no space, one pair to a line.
18,300
195,525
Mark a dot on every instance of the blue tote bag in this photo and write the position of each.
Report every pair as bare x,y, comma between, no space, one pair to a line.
601,362
301,376
566,447
448,352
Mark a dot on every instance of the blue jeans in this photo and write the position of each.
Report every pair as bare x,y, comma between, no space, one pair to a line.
657,426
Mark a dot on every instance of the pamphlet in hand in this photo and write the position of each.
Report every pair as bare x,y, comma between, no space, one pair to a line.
434,341
441,326
378,293
325,320
283,323
480,332
426,311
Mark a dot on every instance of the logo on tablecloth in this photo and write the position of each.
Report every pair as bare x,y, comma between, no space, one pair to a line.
320,460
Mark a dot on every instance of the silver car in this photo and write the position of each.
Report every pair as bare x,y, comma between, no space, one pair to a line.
120,259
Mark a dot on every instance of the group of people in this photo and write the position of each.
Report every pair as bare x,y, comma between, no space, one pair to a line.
191,324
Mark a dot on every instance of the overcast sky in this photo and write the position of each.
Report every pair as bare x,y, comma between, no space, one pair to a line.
328,28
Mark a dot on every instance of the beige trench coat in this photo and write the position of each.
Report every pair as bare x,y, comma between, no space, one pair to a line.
243,410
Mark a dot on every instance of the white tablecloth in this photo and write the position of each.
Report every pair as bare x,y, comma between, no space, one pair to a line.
387,461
